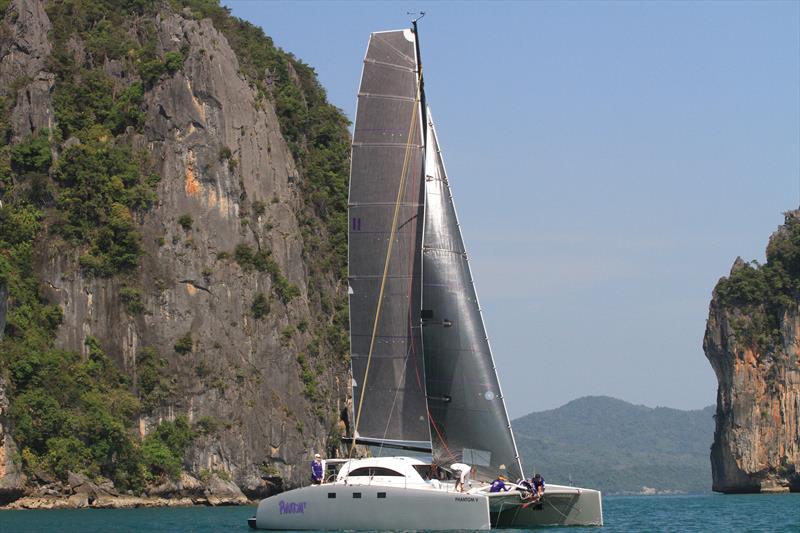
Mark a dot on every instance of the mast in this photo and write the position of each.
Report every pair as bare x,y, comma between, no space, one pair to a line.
422,100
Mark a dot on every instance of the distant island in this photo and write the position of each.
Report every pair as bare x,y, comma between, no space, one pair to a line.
619,448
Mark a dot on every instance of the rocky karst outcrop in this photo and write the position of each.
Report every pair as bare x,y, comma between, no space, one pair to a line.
232,294
752,341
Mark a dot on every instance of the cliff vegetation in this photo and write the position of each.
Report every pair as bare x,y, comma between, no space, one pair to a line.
147,218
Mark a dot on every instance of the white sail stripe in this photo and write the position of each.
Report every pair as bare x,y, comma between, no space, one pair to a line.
397,97
385,145
383,204
390,65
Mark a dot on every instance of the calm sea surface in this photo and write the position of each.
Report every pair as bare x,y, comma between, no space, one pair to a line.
717,513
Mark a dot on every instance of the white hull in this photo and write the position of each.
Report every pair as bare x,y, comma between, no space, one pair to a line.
560,506
400,508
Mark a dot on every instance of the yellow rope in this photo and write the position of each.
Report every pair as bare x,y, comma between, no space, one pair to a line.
411,129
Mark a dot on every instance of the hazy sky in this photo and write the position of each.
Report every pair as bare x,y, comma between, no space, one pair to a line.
609,161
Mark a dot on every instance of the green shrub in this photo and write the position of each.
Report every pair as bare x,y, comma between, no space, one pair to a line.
185,220
262,261
173,61
132,300
153,387
177,435
185,344
260,306
32,154
207,425
243,255
159,459
65,454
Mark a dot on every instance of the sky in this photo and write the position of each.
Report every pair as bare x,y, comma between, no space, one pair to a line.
609,161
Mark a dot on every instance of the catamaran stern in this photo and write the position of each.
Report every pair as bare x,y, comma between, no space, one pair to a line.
560,506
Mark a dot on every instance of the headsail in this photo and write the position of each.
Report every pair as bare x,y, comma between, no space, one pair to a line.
469,422
386,210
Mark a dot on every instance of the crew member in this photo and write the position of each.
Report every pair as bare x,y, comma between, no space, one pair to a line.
538,485
462,471
499,484
317,470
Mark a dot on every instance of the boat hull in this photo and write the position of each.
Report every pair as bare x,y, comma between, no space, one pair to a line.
560,506
375,507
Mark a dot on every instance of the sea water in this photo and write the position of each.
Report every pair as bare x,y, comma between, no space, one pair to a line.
690,513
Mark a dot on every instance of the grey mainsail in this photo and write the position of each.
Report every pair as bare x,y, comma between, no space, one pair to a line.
469,422
386,210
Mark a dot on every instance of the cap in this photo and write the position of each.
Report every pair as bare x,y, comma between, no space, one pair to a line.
317,456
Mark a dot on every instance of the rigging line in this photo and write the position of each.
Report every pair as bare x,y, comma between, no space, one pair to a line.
400,190
451,455
394,402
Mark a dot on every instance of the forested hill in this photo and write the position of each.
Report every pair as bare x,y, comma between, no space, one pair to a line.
612,445
173,195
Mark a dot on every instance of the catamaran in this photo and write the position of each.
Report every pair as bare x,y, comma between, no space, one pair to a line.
424,377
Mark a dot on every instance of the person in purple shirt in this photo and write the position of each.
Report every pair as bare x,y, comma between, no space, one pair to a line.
499,484
316,470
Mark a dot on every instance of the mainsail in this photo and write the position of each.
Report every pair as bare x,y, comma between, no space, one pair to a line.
386,210
469,422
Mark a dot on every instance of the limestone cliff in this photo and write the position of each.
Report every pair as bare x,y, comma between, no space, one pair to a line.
752,342
231,289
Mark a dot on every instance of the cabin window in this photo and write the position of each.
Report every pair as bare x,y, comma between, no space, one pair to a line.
428,472
374,471
356,495
331,495
381,495
427,314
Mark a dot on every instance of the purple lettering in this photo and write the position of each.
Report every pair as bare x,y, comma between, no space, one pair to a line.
291,507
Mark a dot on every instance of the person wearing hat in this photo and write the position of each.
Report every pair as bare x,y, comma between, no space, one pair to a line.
317,470
538,485
499,484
